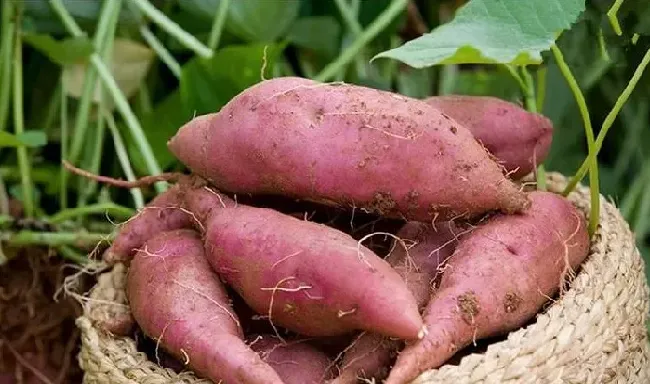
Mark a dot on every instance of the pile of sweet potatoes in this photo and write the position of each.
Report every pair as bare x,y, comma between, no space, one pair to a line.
332,233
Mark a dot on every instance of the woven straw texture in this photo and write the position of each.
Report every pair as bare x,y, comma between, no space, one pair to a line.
595,333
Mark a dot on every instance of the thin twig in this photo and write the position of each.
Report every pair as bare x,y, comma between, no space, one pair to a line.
139,183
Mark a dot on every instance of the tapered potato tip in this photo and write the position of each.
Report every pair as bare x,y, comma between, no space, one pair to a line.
190,143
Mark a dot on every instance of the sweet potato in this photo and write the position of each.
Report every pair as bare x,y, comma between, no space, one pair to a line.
500,276
347,146
305,276
519,139
176,298
295,361
370,355
161,214
427,249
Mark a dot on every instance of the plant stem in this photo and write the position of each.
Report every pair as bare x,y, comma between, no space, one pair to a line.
541,88
121,104
390,68
350,18
54,239
108,16
584,112
53,108
123,157
609,121
19,121
529,91
131,121
106,208
515,75
89,188
63,190
394,9
532,105
66,18
161,50
6,47
613,20
355,6
185,38
604,55
448,75
217,24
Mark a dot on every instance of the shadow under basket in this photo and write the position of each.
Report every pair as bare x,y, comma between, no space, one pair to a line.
594,333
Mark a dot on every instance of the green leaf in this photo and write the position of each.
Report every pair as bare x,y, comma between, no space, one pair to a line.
30,139
129,65
492,31
63,52
319,33
207,85
250,20
261,20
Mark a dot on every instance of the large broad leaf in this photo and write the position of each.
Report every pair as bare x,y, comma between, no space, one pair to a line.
62,52
250,20
129,65
30,139
208,84
492,31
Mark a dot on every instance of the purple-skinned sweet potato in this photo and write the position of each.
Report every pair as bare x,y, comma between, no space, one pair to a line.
347,146
175,297
163,213
295,361
519,139
500,275
419,258
304,276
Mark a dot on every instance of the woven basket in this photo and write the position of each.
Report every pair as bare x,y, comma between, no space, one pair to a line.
596,333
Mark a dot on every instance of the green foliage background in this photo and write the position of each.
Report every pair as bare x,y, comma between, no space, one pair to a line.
55,119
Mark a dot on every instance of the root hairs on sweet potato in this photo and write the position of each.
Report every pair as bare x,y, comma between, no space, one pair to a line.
501,275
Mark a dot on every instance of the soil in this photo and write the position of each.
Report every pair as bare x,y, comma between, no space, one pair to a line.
38,338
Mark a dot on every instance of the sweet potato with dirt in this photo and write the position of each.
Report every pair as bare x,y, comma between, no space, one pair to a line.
295,361
419,257
348,146
163,213
499,277
307,277
519,139
176,298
